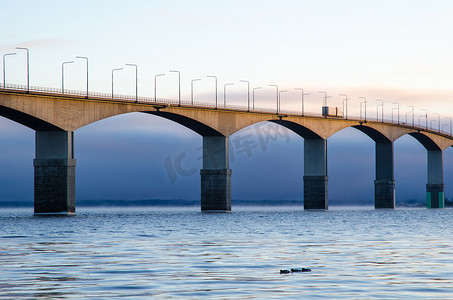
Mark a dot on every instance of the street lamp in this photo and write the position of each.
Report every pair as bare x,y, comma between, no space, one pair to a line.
86,58
382,110
248,93
438,121
28,67
277,93
449,118
4,72
155,86
215,77
191,89
117,69
398,110
279,100
345,101
253,97
426,117
62,74
136,80
224,93
324,100
443,125
412,115
364,102
302,98
179,85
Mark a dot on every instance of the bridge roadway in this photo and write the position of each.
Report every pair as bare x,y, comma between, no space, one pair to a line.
55,117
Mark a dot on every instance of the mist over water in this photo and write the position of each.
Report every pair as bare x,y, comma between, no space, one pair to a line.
182,253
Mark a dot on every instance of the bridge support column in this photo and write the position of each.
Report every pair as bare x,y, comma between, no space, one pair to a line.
54,164
216,174
435,188
384,185
315,174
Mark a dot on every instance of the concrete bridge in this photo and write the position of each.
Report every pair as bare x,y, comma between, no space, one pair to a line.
55,116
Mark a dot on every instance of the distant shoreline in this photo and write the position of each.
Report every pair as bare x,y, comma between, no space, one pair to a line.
189,203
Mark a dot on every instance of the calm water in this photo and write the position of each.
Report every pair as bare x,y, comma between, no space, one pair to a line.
182,253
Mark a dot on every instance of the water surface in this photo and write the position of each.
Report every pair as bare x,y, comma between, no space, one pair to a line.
182,253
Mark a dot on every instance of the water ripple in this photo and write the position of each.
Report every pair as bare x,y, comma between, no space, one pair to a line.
144,253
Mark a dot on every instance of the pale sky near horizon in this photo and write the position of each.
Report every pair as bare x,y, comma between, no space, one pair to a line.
398,51
392,50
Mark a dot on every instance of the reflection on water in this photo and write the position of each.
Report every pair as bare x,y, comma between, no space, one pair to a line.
182,253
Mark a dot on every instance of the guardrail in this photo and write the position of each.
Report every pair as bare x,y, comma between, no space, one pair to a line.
150,100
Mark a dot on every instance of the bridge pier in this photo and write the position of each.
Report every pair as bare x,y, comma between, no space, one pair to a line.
215,175
384,185
54,168
315,174
435,189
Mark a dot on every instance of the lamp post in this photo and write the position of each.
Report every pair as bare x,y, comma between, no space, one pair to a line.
324,99
62,74
438,121
412,114
179,85
4,72
345,101
443,125
398,110
302,98
117,69
28,67
155,86
364,102
279,100
136,80
426,117
224,93
276,94
382,110
86,58
248,93
215,78
191,89
449,118
253,96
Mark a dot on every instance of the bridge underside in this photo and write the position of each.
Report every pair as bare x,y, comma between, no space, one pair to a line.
54,166
56,117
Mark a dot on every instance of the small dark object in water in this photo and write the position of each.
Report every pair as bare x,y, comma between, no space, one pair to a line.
300,270
285,271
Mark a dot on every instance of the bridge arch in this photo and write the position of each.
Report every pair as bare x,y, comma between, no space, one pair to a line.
374,134
302,131
163,163
259,154
27,120
426,141
351,157
197,126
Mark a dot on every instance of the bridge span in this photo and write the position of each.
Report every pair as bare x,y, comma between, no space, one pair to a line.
55,116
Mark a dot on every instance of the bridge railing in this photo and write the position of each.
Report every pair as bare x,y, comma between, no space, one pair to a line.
202,104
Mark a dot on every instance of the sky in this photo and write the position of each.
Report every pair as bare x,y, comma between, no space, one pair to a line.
397,51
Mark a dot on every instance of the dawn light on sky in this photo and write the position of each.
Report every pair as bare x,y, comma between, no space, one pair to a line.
399,51
391,50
